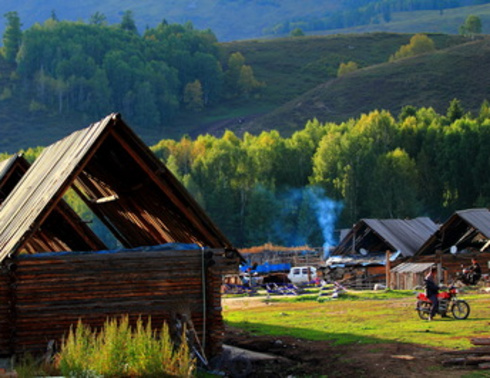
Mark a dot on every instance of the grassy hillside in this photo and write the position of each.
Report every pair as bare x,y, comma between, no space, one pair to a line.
290,67
423,81
447,22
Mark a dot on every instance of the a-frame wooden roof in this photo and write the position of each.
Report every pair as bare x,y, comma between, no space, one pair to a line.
120,179
379,235
465,228
63,230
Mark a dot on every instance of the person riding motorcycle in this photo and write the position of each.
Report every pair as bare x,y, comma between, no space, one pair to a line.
431,290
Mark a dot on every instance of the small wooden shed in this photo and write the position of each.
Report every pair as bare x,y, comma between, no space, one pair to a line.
170,264
407,276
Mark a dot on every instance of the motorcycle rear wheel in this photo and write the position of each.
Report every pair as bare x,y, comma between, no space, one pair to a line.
460,310
423,309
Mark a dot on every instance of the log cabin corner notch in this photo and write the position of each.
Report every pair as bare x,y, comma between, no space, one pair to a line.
144,206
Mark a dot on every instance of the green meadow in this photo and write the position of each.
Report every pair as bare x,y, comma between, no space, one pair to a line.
366,318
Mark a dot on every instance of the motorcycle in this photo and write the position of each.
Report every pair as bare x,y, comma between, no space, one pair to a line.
466,277
448,303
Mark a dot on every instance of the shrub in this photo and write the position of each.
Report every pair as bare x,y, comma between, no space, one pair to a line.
345,68
419,44
120,351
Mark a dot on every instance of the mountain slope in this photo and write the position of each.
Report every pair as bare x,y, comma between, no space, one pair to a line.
430,80
289,67
229,19
427,21
246,19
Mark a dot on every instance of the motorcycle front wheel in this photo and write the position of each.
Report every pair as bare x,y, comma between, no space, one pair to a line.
460,310
423,309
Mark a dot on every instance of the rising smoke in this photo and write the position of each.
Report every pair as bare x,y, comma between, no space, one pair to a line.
327,212
307,216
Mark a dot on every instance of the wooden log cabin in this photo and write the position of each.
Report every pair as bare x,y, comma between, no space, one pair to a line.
62,230
169,266
463,236
363,248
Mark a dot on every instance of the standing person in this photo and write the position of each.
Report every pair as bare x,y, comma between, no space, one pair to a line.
431,290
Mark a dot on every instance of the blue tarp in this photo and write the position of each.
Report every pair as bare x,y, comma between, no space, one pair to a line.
267,268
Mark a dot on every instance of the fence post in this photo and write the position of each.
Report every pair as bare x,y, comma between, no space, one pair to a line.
388,270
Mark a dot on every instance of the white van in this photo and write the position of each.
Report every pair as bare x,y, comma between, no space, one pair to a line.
302,274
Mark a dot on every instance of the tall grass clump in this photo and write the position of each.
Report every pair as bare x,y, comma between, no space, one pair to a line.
119,350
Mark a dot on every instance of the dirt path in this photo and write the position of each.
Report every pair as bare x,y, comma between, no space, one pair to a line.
321,358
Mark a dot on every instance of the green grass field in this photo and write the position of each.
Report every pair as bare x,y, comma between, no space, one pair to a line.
363,320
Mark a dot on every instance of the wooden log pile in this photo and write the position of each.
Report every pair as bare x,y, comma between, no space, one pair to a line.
53,291
478,357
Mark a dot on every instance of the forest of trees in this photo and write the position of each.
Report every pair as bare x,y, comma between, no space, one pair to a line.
365,12
296,190
93,68
267,188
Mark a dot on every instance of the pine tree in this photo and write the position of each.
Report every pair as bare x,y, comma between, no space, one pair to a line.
455,111
128,23
193,96
12,37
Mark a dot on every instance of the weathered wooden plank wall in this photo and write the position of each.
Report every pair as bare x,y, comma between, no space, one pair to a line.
406,281
55,290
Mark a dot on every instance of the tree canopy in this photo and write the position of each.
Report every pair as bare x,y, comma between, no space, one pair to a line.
94,69
266,188
260,188
471,26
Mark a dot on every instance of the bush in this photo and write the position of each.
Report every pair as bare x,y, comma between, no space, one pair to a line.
120,351
345,68
419,44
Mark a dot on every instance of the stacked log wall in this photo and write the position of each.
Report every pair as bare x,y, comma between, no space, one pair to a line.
55,291
4,312
452,263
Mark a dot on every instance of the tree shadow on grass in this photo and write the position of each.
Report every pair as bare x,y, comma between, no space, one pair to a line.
303,333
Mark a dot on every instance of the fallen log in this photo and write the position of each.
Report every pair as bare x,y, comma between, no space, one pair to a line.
454,361
476,351
464,361
481,341
475,360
